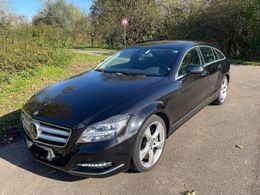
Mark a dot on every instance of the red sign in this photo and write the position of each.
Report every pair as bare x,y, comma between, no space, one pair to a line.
124,22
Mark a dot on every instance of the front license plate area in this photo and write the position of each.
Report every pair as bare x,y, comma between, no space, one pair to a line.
38,151
43,152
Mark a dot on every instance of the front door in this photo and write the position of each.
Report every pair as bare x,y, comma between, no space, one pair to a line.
190,87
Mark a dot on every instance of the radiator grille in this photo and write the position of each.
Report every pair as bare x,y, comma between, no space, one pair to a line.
45,133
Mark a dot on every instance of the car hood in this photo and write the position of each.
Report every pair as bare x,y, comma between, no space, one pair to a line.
74,100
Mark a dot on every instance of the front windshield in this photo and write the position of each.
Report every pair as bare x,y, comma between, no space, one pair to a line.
141,61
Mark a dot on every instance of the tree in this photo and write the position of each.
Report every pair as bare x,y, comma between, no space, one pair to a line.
251,36
58,13
54,13
143,16
83,27
68,17
231,24
4,12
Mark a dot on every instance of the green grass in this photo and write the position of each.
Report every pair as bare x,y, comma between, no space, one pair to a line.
244,62
96,48
22,86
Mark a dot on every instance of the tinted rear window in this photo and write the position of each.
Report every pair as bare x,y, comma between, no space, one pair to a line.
207,54
220,55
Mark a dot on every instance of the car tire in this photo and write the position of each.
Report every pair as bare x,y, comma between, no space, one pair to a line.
222,92
149,146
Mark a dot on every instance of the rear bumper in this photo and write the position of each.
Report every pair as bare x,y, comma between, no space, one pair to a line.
116,155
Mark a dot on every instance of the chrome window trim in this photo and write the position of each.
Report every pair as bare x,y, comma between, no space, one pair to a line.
215,53
217,60
212,48
101,63
177,76
204,65
50,124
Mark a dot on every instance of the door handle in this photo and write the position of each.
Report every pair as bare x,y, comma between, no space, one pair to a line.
219,67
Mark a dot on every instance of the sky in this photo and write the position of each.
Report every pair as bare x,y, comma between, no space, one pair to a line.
29,8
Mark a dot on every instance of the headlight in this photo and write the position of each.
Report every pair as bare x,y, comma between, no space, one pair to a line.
104,130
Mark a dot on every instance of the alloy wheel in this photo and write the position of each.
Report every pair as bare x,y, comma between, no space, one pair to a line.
224,88
152,144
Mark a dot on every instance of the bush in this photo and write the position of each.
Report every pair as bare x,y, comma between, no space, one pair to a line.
25,48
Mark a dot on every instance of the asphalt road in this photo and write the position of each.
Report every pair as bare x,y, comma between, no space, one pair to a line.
201,155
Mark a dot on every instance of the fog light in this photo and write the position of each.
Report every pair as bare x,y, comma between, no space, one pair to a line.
95,165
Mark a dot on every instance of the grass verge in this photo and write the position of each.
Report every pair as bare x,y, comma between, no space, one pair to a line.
244,62
21,87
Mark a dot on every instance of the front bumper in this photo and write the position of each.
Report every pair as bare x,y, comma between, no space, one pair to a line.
118,154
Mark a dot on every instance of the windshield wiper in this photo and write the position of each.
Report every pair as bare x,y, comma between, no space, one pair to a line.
120,73
103,70
129,73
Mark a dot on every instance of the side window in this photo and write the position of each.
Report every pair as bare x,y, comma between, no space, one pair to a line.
207,54
220,55
215,54
192,57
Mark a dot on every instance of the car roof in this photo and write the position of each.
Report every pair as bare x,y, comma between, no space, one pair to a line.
179,45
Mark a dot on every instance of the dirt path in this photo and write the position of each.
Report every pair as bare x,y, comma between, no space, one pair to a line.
200,156
102,53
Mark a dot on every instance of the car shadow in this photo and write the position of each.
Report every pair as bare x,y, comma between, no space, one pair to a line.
18,155
10,123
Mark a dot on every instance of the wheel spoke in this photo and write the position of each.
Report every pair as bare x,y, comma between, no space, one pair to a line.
151,157
144,152
148,134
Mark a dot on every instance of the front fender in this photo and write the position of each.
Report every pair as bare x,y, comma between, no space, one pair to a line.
139,118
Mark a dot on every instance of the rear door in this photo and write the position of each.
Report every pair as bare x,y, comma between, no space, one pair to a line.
212,66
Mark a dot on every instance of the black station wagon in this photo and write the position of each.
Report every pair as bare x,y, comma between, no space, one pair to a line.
119,115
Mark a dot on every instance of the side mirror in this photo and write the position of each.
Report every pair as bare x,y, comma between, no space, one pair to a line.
194,69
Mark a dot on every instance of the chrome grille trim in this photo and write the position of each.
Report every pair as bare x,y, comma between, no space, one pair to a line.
26,121
51,138
47,133
53,131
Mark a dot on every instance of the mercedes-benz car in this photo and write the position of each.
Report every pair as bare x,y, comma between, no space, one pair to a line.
119,115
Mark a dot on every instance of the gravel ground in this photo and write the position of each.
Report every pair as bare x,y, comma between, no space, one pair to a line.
201,155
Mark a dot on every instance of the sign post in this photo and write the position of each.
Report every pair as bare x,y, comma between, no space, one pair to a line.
124,22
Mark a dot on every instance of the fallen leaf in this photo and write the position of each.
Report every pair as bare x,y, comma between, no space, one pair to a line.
192,192
239,146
